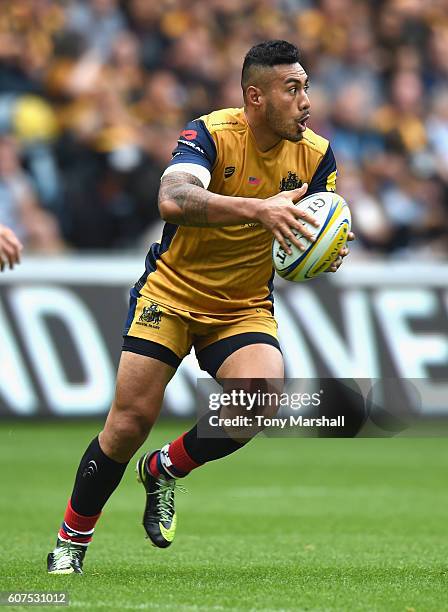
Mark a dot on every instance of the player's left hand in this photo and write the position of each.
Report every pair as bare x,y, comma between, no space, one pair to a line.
342,253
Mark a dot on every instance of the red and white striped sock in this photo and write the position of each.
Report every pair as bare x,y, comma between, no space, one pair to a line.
77,528
172,461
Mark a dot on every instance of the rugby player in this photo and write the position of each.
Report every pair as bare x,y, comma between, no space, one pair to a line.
10,248
229,189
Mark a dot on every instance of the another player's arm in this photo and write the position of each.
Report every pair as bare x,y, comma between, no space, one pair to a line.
10,248
184,201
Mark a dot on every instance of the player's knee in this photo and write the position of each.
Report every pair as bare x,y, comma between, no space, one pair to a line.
133,426
130,421
123,434
252,396
248,402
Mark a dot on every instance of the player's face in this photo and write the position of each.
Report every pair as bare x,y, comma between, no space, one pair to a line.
287,106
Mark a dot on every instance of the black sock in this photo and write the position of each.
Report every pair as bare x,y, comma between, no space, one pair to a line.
202,449
96,479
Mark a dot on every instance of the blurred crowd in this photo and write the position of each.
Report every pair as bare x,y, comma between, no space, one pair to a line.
94,93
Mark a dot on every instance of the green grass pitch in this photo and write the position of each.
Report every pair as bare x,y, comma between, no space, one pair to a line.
285,524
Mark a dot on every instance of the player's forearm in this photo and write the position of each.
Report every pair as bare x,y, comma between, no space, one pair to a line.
190,204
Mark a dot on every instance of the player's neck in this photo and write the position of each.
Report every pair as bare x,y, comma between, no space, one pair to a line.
264,138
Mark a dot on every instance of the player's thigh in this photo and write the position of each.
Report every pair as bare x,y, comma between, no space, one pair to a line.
255,361
140,387
241,345
156,338
141,383
244,357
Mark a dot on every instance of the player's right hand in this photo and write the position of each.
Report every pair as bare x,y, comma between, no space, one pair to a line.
10,248
279,215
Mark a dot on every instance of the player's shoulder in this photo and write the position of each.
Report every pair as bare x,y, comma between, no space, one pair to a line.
226,119
317,143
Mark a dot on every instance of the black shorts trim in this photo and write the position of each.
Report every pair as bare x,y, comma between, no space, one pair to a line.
213,356
148,348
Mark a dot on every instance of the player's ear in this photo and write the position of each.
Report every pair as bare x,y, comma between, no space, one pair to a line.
254,95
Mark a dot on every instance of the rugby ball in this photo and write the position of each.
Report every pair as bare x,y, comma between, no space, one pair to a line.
333,214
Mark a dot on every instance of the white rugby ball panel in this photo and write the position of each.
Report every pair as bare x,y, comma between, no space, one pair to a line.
333,215
323,216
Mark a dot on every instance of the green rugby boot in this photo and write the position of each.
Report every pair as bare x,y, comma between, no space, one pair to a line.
159,517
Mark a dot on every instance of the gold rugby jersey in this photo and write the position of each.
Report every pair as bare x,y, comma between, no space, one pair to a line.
225,269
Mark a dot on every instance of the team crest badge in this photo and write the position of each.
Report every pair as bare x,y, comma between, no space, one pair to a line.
290,182
228,171
151,315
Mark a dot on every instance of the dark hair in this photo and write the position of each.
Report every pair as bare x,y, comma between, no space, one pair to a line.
269,53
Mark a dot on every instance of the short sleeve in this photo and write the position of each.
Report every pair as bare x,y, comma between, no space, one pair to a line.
195,152
324,178
195,146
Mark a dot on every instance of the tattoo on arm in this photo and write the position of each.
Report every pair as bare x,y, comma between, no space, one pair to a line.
188,193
